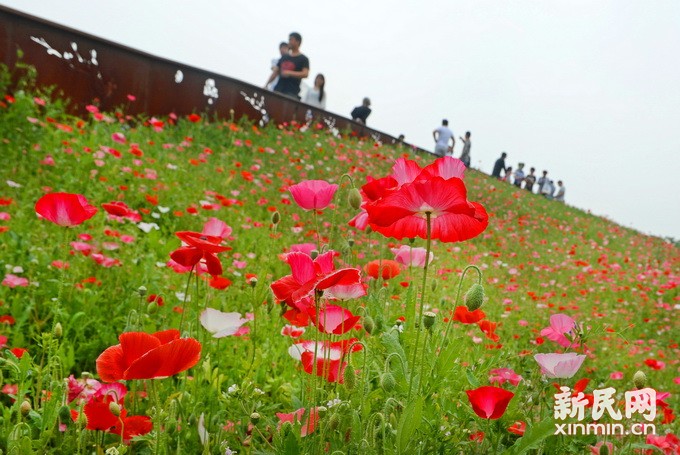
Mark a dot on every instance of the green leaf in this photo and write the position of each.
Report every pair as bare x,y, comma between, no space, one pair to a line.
471,378
532,437
408,423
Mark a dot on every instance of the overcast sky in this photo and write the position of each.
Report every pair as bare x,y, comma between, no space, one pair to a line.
586,89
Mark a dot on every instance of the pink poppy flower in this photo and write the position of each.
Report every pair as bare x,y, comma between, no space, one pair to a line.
13,281
503,375
65,209
309,423
333,319
560,325
559,365
216,228
330,357
319,274
118,137
313,194
410,256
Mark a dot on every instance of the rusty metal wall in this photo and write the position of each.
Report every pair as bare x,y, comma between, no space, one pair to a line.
89,69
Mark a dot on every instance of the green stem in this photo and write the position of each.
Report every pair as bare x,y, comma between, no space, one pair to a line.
184,303
460,285
418,322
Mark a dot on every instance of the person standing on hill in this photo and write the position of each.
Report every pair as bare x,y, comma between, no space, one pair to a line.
529,180
499,166
442,135
465,156
519,175
316,96
361,113
291,69
559,196
283,50
542,181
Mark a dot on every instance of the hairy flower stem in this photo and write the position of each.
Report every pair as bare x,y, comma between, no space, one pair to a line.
460,286
184,303
254,336
418,322
318,232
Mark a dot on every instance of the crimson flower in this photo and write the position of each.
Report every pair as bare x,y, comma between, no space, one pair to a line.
200,246
518,428
100,417
489,402
330,357
65,209
148,356
398,205
313,194
309,275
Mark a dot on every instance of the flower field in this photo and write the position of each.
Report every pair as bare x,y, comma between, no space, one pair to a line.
192,285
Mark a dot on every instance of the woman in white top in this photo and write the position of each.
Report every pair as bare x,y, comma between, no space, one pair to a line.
316,96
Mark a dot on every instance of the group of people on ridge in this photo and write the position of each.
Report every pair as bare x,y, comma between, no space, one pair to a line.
291,67
544,186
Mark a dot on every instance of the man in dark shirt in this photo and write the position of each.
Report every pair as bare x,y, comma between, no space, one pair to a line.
499,166
291,69
361,113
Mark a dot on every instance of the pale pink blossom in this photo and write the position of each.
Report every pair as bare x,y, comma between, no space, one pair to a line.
560,365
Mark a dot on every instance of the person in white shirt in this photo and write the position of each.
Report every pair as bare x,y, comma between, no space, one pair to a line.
316,96
442,136
559,196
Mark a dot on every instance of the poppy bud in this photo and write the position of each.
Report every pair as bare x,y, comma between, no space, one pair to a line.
354,199
115,408
151,308
254,418
474,297
387,381
640,379
86,375
141,291
276,217
314,254
350,377
368,230
252,282
286,428
369,324
321,411
604,449
429,318
433,285
25,408
57,331
334,421
65,415
350,242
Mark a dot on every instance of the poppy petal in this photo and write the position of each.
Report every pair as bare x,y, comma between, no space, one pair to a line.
166,360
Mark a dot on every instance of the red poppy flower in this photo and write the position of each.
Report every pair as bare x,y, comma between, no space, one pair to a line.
200,246
489,329
148,356
117,208
462,314
330,357
489,402
518,428
100,417
397,205
385,268
65,209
